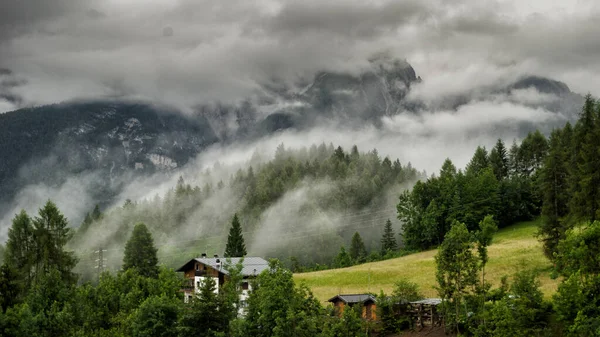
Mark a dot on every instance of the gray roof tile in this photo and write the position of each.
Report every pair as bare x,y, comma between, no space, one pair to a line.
252,266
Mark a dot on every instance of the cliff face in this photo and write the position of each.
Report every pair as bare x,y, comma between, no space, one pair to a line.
48,144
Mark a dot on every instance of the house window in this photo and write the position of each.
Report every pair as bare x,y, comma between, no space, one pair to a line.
244,285
197,266
197,284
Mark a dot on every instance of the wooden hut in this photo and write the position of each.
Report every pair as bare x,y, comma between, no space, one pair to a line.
365,301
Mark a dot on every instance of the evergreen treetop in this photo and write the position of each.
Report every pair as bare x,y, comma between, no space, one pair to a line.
388,240
235,241
140,253
358,251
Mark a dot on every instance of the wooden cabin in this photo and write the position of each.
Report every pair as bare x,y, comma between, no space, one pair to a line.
366,301
196,270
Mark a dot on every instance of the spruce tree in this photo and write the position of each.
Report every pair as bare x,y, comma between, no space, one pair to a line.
96,214
388,240
586,196
514,160
343,259
358,251
555,196
235,241
51,234
499,160
479,162
19,254
140,253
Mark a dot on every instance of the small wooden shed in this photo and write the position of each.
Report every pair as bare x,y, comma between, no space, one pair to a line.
365,301
424,312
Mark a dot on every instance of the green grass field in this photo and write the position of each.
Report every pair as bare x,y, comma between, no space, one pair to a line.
514,248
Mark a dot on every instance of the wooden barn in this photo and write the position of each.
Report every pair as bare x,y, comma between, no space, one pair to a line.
366,301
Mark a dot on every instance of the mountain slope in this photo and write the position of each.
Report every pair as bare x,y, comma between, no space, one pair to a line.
48,144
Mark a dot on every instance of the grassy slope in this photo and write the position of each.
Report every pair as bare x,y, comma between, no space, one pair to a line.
513,248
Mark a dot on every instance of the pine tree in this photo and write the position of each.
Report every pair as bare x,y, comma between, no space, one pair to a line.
514,160
388,240
343,259
51,234
586,196
479,162
96,214
555,196
235,241
19,254
140,253
358,251
499,160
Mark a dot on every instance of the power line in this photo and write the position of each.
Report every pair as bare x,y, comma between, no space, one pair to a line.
100,266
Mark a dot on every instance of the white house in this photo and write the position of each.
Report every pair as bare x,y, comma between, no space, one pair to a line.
198,269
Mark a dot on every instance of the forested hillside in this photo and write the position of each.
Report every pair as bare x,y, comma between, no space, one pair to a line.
303,203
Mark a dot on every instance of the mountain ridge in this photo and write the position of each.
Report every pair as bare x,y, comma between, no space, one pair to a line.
122,139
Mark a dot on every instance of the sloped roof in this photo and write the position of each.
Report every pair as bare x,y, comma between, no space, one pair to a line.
428,301
353,298
251,266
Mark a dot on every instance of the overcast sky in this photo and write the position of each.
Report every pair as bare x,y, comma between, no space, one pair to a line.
188,51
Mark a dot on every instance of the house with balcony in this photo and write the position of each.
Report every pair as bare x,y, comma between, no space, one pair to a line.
198,269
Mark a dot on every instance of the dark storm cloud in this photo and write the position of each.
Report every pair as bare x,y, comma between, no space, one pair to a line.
356,19
23,16
225,50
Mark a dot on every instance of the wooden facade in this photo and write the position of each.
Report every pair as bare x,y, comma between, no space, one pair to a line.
196,270
424,313
366,302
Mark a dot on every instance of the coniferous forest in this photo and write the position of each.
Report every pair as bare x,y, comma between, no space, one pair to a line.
49,286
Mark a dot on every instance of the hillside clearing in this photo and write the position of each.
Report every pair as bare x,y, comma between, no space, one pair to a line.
514,248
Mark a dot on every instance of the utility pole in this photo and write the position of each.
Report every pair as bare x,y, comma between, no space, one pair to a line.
100,260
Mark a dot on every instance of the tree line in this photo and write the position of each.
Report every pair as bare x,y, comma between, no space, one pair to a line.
566,178
40,294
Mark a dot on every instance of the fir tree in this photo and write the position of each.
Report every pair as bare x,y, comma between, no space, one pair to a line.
555,196
479,162
235,241
388,240
358,252
499,160
51,234
586,196
19,254
140,253
343,259
96,214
